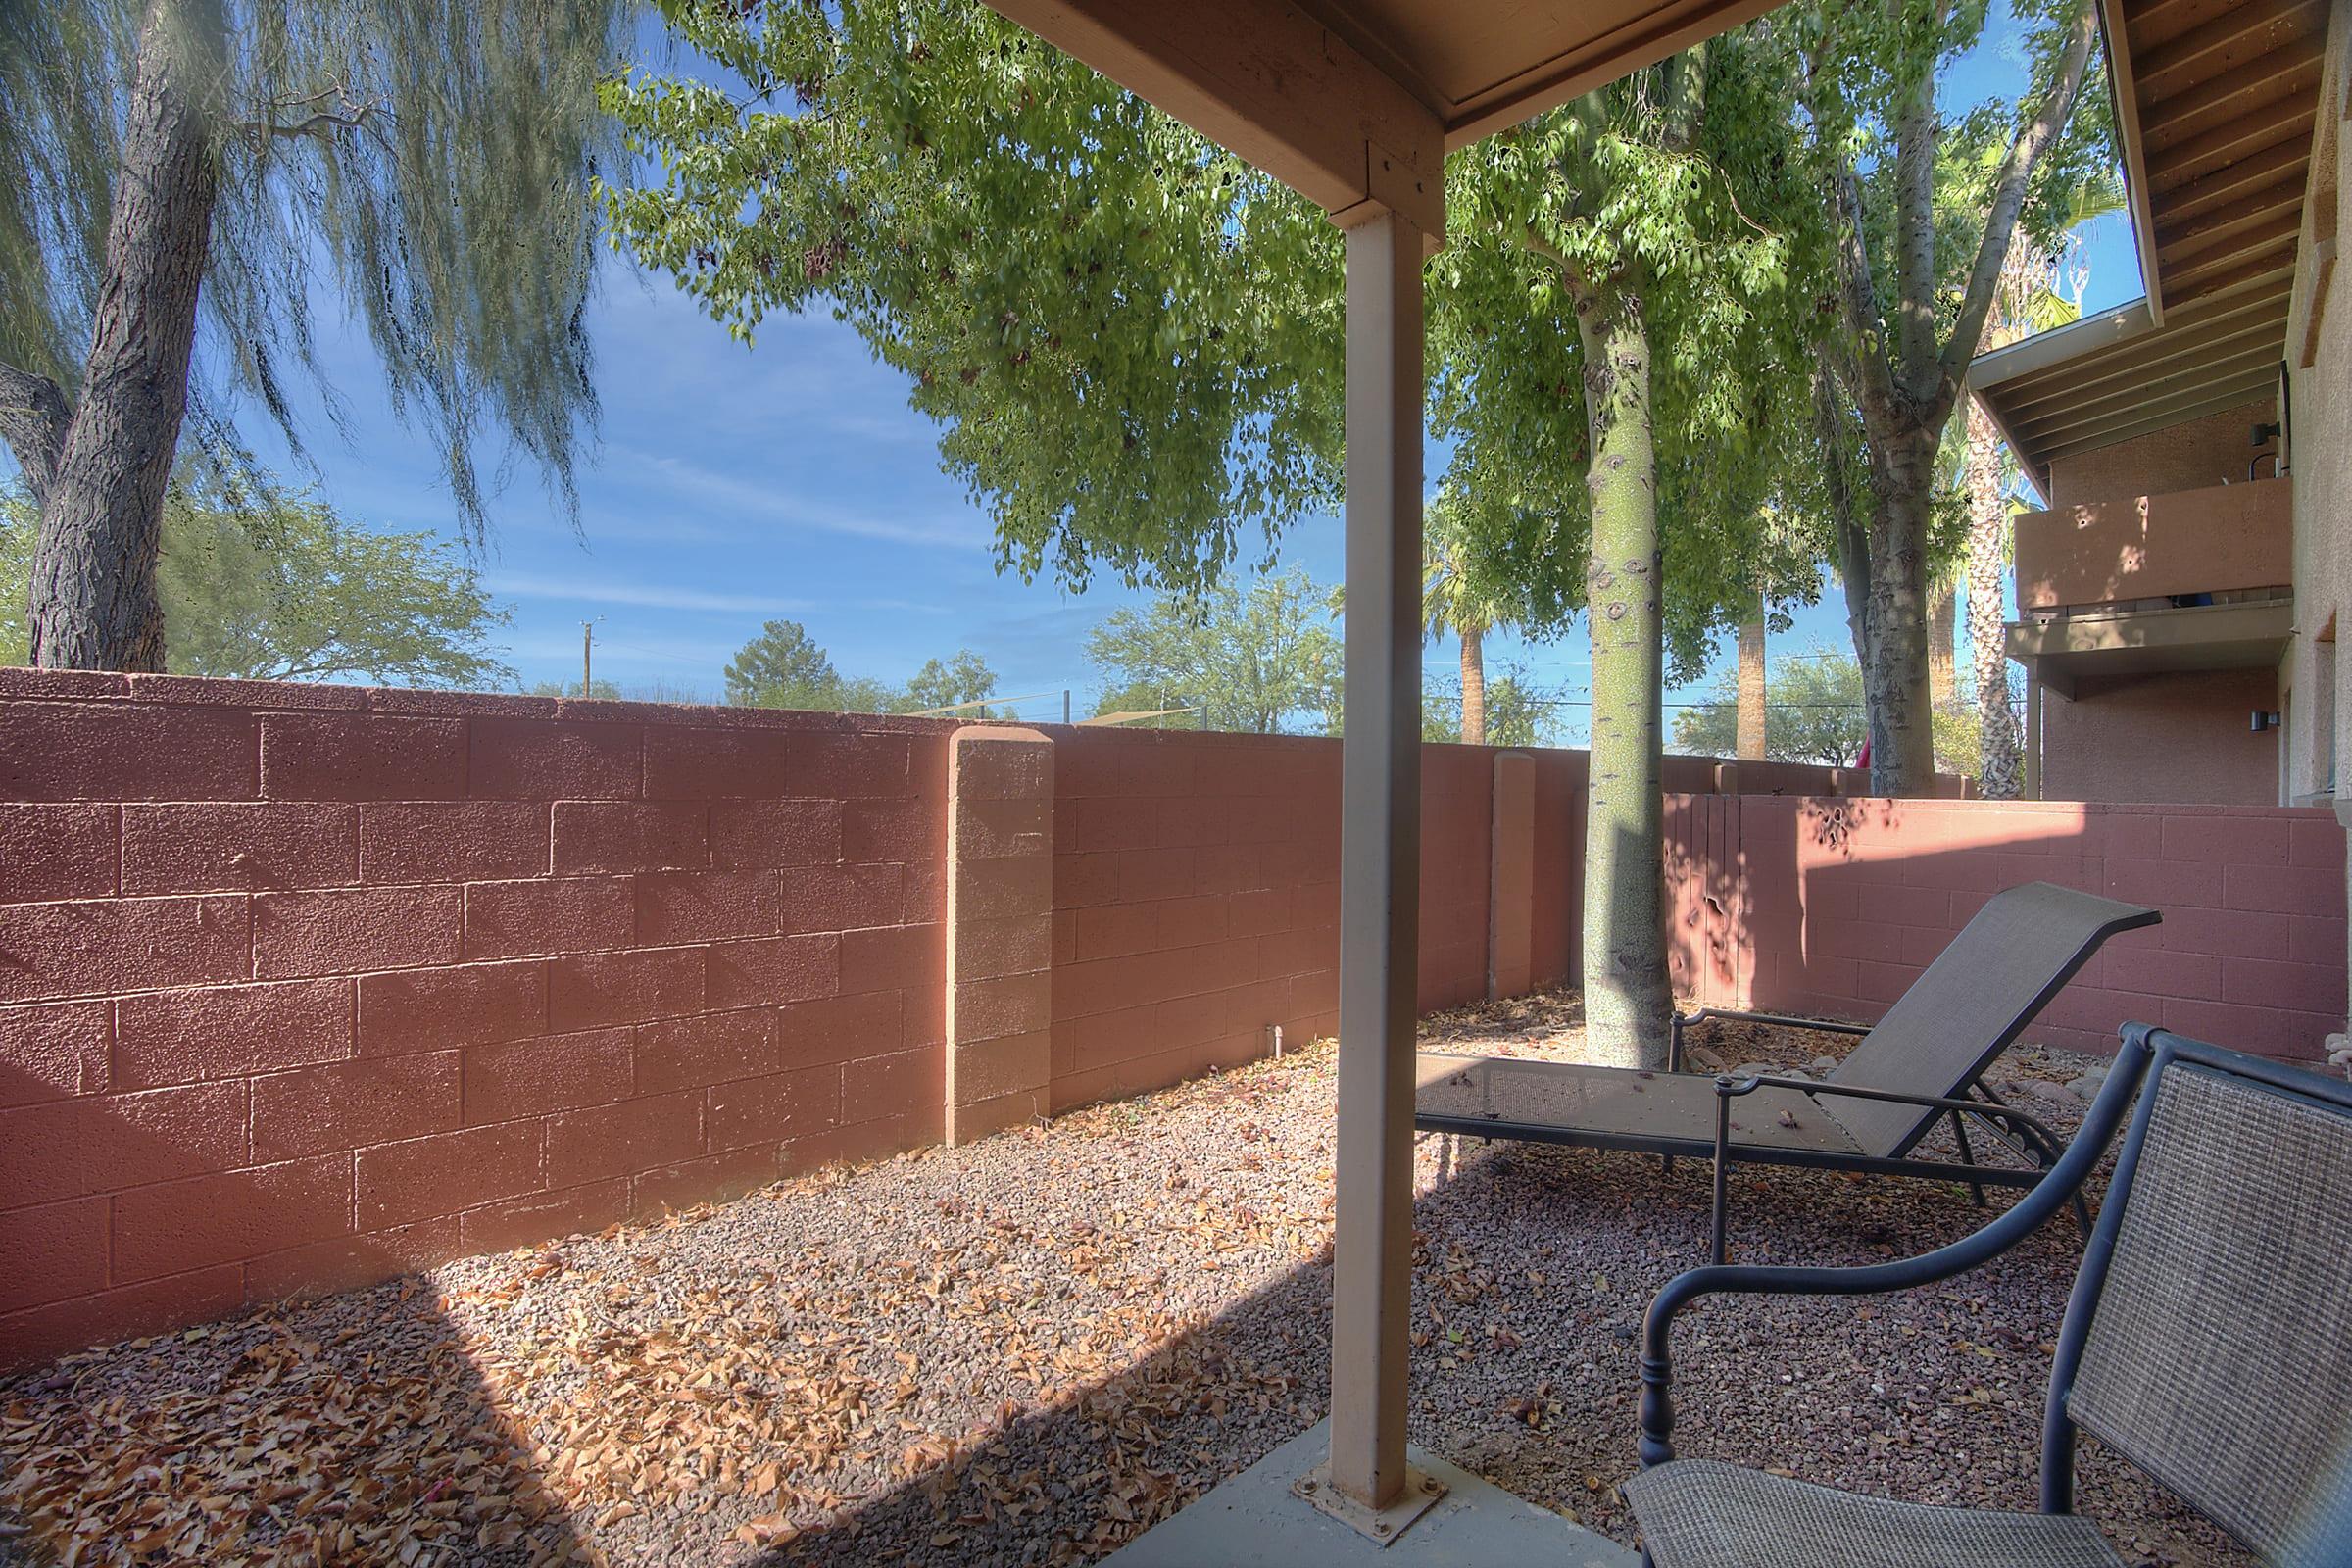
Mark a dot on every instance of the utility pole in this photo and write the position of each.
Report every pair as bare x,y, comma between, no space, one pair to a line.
587,656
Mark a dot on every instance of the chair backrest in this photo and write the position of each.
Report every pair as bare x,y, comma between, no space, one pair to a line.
2209,1338
1982,989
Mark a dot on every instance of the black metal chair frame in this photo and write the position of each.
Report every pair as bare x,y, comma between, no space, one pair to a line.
2146,1055
2033,1139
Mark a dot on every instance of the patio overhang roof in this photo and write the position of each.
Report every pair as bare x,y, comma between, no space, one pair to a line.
2216,105
2118,375
1314,91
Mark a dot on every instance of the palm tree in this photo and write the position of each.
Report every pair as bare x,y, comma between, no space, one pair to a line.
1454,599
1751,742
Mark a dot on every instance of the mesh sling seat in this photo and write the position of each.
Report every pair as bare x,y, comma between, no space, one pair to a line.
2208,1340
1923,1062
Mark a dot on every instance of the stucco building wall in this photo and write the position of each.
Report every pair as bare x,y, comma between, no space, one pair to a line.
2214,449
2173,736
2319,346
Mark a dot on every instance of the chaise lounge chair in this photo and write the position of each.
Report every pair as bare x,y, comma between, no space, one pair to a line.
1923,1062
2208,1340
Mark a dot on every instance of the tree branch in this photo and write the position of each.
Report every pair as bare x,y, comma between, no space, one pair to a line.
35,417
1865,358
1858,304
2033,140
1915,135
321,123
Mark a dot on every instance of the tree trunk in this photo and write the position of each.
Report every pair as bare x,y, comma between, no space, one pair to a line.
93,598
1902,736
1751,689
1988,567
1474,687
1943,620
1628,1001
1853,542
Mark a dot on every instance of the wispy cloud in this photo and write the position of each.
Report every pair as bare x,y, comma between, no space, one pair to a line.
657,595
799,511
652,596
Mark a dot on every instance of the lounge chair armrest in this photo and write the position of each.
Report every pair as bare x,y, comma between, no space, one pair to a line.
1729,1083
2019,1221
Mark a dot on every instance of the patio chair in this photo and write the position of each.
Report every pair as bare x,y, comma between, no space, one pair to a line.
2208,1340
1923,1062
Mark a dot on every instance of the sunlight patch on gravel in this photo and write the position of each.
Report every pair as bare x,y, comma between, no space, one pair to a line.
1030,1349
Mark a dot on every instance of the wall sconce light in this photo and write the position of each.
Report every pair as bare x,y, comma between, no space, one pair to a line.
2263,721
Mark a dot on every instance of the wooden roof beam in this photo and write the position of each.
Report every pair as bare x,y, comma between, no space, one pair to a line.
2238,224
2287,74
2286,120
2285,160
2230,40
2027,401
1270,84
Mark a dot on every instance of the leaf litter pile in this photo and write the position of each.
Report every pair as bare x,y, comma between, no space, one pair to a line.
1030,1349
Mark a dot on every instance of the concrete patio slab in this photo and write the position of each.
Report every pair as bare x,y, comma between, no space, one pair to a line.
1253,1521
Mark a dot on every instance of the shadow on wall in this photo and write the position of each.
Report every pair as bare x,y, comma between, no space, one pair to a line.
333,1432
1833,907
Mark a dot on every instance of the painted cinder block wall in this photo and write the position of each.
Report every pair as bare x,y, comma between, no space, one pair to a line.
1831,908
301,987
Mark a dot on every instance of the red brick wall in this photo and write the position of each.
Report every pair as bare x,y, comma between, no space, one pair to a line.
303,985
1833,907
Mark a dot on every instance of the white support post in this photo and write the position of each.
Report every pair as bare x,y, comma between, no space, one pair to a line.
1380,874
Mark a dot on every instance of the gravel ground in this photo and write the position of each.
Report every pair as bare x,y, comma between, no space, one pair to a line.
1028,1350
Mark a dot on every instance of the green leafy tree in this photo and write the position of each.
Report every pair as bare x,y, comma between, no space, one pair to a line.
1815,712
602,690
1520,710
1617,329
2031,298
963,679
269,584
784,667
178,177
1263,660
1926,207
1131,339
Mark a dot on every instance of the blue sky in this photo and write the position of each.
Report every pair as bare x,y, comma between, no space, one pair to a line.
735,485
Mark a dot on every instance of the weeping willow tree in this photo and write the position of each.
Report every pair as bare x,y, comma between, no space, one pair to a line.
180,178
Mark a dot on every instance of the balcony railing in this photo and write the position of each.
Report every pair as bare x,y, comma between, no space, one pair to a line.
2216,540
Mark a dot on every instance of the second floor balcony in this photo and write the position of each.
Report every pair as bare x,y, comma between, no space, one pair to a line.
2223,543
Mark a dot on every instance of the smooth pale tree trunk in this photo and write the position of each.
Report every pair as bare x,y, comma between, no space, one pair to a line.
1902,733
1987,570
1474,688
94,604
1628,1001
1943,620
1752,689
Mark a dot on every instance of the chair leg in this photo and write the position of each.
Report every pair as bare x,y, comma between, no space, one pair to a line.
1717,1252
1967,1156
